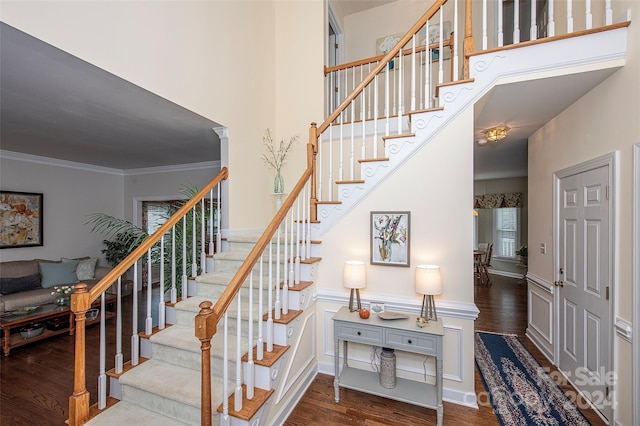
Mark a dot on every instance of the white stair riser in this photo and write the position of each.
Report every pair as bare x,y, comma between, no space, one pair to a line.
267,377
165,406
192,360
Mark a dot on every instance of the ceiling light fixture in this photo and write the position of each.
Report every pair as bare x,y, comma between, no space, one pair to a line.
497,133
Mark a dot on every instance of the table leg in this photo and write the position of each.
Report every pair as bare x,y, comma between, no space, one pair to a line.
439,390
336,379
7,343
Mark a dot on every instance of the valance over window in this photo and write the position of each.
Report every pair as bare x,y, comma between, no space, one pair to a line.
497,201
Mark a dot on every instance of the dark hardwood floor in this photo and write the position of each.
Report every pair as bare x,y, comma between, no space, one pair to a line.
37,380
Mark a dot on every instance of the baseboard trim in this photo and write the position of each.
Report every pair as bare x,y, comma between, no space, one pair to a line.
293,402
506,274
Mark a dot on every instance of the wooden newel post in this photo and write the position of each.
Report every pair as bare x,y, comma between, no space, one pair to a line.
468,44
79,401
312,152
205,329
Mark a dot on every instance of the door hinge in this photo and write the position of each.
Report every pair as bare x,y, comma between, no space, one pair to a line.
607,293
335,46
606,192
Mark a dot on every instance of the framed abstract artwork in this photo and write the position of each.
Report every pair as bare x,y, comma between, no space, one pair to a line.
390,238
20,219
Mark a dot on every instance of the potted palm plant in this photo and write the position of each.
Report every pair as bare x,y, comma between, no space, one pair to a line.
523,252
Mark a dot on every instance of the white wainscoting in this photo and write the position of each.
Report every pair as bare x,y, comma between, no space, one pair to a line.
540,314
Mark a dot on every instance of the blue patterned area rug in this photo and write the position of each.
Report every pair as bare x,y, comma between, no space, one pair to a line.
520,390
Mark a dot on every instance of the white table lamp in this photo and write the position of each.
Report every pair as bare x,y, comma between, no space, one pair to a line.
355,279
428,283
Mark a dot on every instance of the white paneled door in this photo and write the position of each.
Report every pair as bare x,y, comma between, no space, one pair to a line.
584,284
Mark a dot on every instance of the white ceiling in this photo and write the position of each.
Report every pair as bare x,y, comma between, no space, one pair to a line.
56,105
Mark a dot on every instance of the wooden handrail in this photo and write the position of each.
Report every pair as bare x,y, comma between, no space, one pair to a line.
381,65
445,43
128,261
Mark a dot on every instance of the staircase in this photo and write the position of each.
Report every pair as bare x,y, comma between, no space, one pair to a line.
165,388
252,307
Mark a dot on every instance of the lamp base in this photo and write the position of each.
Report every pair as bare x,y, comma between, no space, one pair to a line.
428,311
358,306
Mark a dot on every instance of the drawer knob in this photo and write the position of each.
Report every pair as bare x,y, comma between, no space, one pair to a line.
359,333
409,341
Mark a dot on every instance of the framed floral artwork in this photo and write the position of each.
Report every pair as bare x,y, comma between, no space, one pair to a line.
20,219
390,238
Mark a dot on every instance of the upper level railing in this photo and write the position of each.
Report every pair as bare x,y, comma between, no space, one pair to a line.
161,247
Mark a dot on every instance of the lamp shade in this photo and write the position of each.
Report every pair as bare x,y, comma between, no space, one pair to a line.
428,279
354,274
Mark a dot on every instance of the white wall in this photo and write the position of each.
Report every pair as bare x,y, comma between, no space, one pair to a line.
436,186
70,194
216,58
603,121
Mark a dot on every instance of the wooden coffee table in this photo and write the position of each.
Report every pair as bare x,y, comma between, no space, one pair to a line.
13,320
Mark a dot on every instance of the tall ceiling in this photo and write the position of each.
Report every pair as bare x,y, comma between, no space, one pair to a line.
56,105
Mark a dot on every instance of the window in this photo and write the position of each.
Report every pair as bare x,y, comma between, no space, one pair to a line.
506,226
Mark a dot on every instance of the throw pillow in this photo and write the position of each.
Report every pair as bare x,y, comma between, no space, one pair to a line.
54,274
86,269
14,285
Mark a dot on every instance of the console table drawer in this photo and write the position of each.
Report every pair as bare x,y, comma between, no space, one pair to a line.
414,342
359,333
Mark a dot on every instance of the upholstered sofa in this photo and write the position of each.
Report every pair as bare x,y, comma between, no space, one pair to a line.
32,282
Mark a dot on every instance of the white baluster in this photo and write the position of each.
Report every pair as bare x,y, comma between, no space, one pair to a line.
285,287
297,266
102,377
174,290
119,361
516,22
375,119
484,24
329,195
148,329
260,341
441,51
427,68
369,112
413,73
386,101
608,13
211,218
533,33
161,305
551,25
308,236
270,302
194,265
353,138
203,239
225,372
184,258
291,248
238,391
569,16
588,15
303,243
135,339
500,24
278,304
320,162
219,216
455,40
400,92
250,364
340,154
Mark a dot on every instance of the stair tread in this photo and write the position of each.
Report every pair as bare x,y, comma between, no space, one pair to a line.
128,413
125,367
249,407
300,286
153,376
183,337
284,318
371,160
269,358
402,135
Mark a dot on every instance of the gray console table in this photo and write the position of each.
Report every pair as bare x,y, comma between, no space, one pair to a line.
398,334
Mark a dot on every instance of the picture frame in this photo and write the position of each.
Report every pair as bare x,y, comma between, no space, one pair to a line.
21,220
390,238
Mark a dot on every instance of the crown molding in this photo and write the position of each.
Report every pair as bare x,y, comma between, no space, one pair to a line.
36,159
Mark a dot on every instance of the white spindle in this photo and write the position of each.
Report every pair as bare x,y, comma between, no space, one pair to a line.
441,51
363,150
500,24
387,105
375,117
194,240
369,97
211,218
455,39
308,203
148,327
278,303
427,68
533,34
484,23
161,305
341,153
250,364
353,136
218,247
569,16
320,162
303,243
291,249
551,25
225,371
413,73
608,13
119,360
516,22
174,290
285,287
237,405
203,238
102,376
270,301
184,258
260,341
135,339
297,266
329,195
588,16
